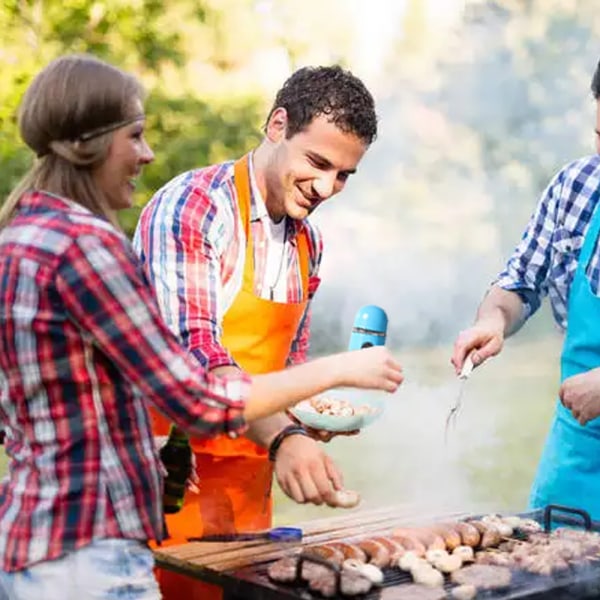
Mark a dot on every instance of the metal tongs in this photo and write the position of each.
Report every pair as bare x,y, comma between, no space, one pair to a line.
464,374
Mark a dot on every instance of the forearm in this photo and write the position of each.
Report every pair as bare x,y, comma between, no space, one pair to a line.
504,308
274,392
263,431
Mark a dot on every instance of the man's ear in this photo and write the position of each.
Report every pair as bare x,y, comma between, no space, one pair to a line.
277,125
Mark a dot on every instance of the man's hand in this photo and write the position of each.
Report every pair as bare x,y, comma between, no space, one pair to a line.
305,473
581,395
486,337
499,315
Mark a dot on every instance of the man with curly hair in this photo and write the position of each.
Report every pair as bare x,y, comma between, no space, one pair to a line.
235,262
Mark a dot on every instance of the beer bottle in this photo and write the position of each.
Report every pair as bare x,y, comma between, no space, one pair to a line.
176,456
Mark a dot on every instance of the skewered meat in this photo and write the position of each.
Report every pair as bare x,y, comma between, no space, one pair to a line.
352,583
412,591
321,579
284,570
483,577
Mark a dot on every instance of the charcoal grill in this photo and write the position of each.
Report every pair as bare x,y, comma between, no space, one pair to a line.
250,581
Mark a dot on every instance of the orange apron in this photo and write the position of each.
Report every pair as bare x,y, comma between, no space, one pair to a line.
235,474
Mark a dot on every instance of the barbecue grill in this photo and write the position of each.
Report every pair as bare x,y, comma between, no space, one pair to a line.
241,568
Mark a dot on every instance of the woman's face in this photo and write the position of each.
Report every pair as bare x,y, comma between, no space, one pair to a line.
128,153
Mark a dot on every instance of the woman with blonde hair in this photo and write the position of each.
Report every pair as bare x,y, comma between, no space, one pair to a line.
82,348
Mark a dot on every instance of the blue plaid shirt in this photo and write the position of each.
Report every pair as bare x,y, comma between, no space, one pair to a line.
545,260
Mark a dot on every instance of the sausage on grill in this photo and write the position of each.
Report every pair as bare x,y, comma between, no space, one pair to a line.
411,543
349,550
469,534
449,533
377,553
326,551
394,547
429,538
490,536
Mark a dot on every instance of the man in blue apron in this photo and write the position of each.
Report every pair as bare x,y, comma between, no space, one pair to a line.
558,256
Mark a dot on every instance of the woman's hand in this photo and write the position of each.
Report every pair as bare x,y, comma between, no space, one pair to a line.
369,368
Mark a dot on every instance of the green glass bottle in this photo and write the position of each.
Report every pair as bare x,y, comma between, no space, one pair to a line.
176,456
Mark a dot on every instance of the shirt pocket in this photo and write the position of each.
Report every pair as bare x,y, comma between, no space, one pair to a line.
566,246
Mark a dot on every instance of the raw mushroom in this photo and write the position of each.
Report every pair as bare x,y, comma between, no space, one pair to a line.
346,498
427,575
448,563
465,552
371,572
408,560
433,556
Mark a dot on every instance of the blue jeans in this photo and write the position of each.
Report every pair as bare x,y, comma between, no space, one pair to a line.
110,569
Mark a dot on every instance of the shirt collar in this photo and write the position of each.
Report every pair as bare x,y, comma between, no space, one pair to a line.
258,208
39,199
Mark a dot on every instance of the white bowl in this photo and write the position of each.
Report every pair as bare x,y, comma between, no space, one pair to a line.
308,416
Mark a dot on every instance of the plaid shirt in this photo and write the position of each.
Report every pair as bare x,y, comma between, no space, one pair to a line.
192,242
546,259
81,339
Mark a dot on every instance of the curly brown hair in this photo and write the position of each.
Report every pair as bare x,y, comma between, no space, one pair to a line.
331,91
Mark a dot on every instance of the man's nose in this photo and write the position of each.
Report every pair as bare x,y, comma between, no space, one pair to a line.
324,186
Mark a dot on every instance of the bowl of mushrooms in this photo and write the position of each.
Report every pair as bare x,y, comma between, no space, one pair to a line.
340,410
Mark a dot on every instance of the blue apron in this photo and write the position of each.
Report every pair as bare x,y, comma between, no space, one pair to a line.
569,470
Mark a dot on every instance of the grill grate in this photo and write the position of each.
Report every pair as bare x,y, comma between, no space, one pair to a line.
578,582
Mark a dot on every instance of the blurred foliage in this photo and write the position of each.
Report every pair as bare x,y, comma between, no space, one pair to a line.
143,36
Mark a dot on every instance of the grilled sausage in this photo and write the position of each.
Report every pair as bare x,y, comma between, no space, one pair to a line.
469,534
449,533
326,551
411,543
394,547
377,553
490,536
349,550
427,537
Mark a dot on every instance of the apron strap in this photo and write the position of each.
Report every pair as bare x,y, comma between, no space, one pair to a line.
589,241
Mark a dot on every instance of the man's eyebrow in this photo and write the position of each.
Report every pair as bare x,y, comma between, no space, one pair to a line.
597,131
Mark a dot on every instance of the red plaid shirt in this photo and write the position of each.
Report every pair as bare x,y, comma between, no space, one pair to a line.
192,243
81,341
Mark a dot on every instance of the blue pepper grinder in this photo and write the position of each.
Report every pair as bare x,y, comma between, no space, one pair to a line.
369,329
